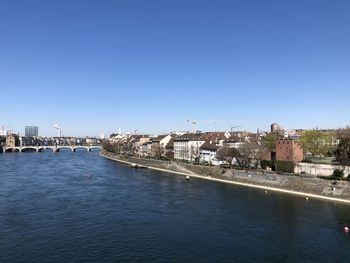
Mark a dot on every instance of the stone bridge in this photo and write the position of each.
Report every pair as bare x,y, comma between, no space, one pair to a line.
53,148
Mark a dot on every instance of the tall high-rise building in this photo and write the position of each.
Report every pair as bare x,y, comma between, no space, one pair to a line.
31,131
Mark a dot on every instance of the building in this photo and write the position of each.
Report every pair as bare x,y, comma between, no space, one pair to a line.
169,148
186,147
158,144
31,131
12,140
91,140
207,152
142,149
141,145
275,127
289,150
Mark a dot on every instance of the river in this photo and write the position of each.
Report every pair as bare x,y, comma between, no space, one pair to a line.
80,207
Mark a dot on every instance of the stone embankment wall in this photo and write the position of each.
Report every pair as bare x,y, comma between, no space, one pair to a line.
339,190
320,169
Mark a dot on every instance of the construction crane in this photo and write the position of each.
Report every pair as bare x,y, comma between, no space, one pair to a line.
195,122
59,131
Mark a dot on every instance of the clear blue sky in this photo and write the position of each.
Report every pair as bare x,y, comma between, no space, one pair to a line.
94,66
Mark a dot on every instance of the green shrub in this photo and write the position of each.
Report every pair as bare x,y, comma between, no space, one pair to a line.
284,166
338,173
264,164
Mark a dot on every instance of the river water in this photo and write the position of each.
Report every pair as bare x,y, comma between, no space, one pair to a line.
80,207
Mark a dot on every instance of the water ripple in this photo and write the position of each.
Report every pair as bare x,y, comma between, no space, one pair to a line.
79,207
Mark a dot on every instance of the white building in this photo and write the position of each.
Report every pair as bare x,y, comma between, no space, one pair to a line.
142,150
187,147
207,152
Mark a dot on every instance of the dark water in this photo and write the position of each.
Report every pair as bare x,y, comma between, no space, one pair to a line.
79,207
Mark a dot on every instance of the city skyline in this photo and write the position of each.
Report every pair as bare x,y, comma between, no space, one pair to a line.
94,67
7,130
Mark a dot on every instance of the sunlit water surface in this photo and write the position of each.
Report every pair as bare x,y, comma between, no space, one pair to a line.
80,207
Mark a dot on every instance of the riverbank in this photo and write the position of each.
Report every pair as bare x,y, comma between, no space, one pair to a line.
306,187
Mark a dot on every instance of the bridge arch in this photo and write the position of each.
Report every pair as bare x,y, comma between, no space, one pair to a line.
41,149
29,149
16,149
96,147
49,148
9,150
64,147
80,147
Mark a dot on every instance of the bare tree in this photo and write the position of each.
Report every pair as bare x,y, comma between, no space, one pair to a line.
111,147
250,154
157,151
228,153
247,154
